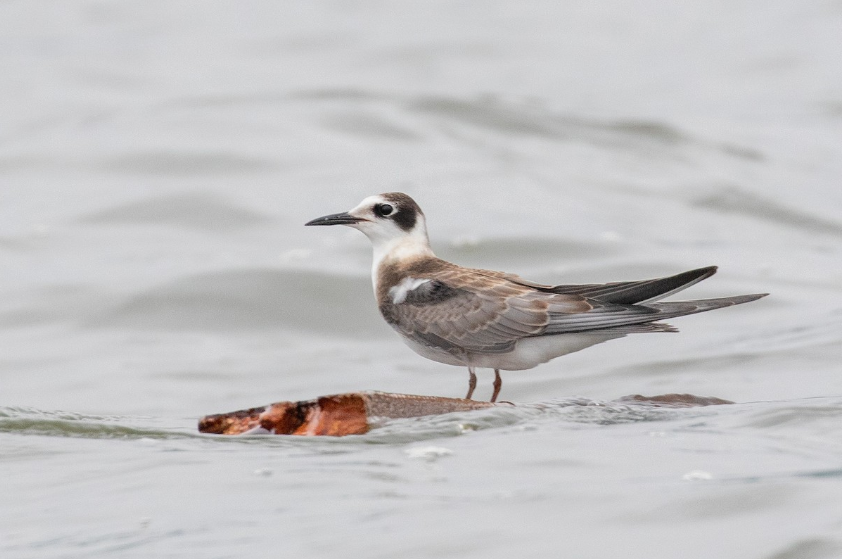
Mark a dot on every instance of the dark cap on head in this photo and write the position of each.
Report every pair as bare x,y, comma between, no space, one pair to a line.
408,210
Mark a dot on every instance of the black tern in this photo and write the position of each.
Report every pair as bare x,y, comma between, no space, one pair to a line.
481,318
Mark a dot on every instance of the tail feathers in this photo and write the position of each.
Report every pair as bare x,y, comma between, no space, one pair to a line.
643,328
627,319
681,308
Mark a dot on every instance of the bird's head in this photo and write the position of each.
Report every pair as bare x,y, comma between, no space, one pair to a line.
388,220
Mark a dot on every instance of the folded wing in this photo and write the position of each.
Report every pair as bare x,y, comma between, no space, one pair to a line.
463,310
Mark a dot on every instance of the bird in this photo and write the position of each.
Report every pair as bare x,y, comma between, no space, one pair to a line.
478,318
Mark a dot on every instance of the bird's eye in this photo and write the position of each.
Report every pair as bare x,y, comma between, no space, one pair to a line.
383,209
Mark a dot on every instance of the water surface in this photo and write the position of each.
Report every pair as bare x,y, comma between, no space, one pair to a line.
158,161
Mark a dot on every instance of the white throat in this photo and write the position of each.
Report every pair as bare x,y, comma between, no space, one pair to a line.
406,247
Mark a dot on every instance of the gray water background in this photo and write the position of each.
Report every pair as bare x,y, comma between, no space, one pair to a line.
158,161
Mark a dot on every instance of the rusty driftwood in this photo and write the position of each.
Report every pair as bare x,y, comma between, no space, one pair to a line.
354,413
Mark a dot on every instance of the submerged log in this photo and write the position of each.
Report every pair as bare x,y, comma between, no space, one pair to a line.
337,415
355,413
673,400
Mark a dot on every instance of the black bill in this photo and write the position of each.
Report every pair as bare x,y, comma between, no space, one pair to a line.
335,219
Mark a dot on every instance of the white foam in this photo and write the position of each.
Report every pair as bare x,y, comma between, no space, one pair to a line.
697,475
428,452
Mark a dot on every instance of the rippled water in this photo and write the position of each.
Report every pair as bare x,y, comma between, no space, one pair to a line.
158,161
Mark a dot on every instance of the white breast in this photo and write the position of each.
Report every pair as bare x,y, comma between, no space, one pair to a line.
531,352
527,353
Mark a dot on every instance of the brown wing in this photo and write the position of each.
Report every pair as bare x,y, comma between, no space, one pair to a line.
463,310
621,293
632,292
460,310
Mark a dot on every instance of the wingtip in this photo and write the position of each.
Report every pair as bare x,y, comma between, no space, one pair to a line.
740,299
699,274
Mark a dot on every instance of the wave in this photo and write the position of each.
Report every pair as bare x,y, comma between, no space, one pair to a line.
191,210
252,299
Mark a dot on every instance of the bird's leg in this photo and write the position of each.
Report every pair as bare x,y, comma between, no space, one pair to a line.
472,383
498,384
